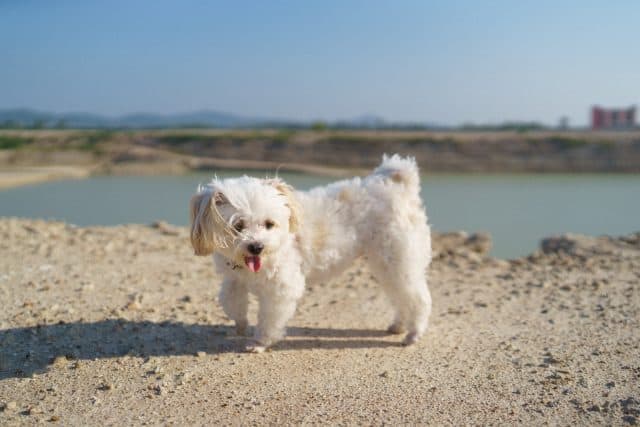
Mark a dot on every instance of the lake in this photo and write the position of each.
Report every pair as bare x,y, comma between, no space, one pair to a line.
517,210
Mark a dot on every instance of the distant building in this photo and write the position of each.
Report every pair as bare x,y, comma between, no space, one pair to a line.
608,118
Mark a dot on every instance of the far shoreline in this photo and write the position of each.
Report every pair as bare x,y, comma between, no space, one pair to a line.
35,156
18,176
334,153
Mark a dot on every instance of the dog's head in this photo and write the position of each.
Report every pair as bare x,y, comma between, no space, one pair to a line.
246,219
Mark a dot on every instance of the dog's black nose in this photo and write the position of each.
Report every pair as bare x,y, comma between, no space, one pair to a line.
255,248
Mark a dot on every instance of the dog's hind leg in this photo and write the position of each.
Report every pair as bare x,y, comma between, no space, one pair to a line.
401,271
234,299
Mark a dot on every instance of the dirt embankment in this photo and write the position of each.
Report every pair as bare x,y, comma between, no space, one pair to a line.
120,326
328,152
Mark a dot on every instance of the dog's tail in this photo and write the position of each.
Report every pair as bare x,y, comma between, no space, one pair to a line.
400,170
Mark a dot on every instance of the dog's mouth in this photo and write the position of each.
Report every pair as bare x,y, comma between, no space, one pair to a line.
253,263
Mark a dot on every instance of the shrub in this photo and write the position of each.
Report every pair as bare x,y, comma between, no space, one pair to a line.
8,142
319,126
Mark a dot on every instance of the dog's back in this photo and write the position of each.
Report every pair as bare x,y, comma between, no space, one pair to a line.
347,219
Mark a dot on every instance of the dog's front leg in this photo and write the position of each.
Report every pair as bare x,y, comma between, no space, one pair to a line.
234,299
277,306
273,315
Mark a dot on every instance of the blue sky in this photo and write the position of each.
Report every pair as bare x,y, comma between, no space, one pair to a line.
445,62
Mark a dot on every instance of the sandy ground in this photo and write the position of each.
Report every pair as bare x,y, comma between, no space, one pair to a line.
120,326
17,176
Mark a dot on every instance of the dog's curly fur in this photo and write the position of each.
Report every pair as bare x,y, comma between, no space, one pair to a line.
269,239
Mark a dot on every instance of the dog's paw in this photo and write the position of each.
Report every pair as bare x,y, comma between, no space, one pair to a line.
411,338
242,329
395,328
254,347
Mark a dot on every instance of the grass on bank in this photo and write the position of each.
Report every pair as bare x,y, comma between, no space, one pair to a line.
84,141
177,139
93,140
9,142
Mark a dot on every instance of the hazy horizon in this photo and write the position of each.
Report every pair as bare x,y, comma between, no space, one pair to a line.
445,63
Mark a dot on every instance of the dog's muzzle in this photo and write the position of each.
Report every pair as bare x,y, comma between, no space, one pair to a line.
253,261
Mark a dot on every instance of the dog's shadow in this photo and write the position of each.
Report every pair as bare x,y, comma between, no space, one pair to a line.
30,350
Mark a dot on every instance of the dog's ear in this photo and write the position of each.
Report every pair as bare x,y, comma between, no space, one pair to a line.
202,232
292,203
220,199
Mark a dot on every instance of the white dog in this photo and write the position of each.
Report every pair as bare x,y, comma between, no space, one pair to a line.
270,240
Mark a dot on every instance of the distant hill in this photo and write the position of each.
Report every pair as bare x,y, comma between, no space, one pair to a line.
39,119
34,119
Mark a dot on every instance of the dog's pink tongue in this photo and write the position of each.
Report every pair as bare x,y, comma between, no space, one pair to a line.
253,262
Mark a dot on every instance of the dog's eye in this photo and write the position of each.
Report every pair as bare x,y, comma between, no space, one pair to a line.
268,224
239,226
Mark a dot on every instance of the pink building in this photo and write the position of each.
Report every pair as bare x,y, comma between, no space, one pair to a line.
608,118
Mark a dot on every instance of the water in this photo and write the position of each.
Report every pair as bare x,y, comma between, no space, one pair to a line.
518,210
